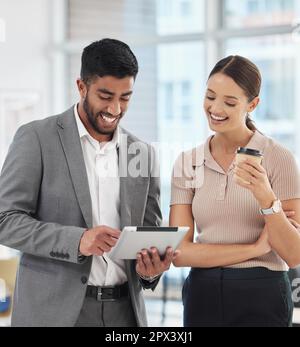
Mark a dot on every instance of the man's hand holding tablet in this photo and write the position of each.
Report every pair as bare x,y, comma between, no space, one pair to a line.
150,264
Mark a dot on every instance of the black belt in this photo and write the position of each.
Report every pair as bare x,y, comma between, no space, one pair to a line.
108,293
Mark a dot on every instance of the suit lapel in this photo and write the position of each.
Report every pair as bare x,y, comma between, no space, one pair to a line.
125,205
133,190
133,197
126,183
69,137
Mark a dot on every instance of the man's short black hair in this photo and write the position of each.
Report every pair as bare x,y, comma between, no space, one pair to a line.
108,57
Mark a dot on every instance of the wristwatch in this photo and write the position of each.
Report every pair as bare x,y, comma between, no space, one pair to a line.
275,208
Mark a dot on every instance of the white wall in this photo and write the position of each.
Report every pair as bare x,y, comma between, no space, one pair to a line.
25,66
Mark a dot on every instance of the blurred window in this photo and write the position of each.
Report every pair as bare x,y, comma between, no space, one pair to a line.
278,58
260,13
180,16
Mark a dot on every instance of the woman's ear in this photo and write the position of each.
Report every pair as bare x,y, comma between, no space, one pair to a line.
253,104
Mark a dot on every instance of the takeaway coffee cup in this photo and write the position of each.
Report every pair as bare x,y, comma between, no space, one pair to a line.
244,154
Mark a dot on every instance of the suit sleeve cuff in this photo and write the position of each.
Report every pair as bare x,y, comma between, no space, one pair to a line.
149,279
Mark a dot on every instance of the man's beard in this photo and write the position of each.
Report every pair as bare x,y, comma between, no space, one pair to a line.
92,119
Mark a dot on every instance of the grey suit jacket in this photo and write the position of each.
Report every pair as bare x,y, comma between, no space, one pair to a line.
45,206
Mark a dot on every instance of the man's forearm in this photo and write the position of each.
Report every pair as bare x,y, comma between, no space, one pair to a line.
50,240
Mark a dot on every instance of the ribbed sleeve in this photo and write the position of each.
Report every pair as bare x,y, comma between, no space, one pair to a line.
182,192
283,172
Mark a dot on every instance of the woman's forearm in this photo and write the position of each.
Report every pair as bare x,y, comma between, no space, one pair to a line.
284,238
210,255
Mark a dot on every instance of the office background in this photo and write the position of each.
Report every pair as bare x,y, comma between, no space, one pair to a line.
177,42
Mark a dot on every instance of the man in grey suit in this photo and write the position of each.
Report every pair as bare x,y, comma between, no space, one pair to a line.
66,191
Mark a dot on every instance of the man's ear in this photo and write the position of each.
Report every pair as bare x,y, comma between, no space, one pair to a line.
253,104
82,88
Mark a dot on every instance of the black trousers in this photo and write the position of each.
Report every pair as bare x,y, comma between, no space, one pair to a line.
225,297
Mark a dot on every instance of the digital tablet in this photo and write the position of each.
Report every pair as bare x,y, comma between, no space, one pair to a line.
134,239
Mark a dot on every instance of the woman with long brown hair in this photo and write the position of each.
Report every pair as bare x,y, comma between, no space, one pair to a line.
245,242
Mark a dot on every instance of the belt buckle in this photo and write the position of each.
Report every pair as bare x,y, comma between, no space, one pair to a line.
102,296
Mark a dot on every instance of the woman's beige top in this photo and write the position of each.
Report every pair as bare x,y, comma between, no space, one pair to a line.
224,212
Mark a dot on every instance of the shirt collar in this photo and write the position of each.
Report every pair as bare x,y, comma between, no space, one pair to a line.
114,143
258,141
81,128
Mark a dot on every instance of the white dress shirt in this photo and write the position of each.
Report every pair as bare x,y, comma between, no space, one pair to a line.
101,162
